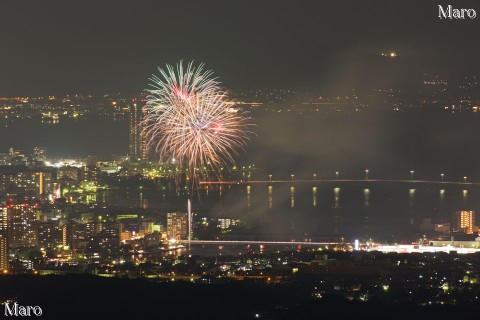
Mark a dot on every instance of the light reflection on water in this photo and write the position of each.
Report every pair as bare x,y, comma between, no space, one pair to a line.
292,197
307,209
270,197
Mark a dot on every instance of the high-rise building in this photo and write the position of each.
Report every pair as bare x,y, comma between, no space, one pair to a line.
177,225
3,239
43,182
465,221
3,252
21,231
70,234
49,234
137,144
3,220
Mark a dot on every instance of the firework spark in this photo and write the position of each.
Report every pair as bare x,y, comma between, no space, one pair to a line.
189,119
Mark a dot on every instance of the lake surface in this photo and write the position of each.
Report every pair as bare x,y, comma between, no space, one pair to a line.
319,210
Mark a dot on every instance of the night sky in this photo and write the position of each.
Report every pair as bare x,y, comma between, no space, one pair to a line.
56,47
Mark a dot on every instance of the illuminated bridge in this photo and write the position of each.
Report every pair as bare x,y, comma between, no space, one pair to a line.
316,181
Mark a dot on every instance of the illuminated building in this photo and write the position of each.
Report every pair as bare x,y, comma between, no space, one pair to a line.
25,180
5,159
49,234
110,233
158,228
133,225
465,221
3,239
21,226
146,227
227,223
152,239
16,157
125,235
109,167
3,252
138,226
127,216
103,233
137,143
68,172
89,174
3,220
223,223
177,225
73,234
42,182
92,229
39,154
442,228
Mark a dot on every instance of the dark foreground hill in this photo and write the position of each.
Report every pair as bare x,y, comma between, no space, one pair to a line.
92,297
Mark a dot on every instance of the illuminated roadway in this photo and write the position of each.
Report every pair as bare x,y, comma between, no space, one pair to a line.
379,247
340,181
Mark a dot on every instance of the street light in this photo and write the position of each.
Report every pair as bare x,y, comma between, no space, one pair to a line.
411,174
270,176
337,173
366,174
314,176
465,179
292,175
442,176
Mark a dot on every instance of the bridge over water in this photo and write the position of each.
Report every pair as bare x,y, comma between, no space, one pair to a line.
343,181
344,206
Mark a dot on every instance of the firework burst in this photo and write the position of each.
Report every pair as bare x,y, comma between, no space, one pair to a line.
189,119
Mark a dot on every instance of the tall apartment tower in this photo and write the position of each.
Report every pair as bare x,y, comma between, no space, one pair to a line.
21,228
3,220
3,239
137,144
177,225
465,221
3,252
